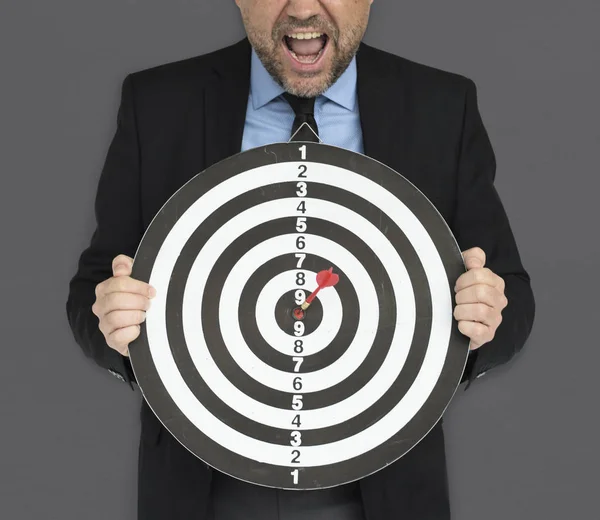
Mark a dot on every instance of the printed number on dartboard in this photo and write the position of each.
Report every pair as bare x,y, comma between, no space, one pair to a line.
299,297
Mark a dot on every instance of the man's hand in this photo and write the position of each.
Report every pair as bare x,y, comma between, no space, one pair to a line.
479,299
121,305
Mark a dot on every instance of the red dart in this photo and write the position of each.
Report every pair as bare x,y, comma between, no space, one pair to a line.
324,279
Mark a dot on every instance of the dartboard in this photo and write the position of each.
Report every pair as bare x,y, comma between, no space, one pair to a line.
302,335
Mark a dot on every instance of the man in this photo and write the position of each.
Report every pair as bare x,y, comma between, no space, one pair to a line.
176,120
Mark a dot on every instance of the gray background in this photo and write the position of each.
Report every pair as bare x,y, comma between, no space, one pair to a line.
521,442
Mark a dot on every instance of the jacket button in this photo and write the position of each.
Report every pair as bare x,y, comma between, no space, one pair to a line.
116,374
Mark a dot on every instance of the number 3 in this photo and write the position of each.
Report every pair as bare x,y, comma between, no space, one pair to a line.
302,191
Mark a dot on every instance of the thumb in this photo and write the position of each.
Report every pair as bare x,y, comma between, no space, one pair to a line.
474,257
122,265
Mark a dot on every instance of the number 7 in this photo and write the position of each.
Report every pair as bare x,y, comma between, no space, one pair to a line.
298,361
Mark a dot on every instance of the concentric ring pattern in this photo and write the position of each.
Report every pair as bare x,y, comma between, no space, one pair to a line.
296,402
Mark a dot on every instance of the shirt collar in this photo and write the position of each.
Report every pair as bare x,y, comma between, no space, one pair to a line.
265,89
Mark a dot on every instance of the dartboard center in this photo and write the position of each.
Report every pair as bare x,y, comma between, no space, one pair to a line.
298,313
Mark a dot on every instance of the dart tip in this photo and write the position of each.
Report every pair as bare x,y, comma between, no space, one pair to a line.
305,306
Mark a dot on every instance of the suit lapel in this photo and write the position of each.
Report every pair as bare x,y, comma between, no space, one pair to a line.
225,103
381,103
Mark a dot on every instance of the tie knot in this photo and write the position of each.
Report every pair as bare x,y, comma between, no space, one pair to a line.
301,106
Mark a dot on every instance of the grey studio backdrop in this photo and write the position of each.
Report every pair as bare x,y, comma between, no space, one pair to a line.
522,442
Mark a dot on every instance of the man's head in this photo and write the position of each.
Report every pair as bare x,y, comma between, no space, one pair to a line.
305,44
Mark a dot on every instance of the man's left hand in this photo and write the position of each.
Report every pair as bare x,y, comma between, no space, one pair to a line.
480,299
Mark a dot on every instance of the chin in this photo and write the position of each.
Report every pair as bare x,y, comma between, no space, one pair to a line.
306,87
307,84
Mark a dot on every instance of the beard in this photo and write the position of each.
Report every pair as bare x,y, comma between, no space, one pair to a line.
268,49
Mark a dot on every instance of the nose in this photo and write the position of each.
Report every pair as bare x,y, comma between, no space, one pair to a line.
303,9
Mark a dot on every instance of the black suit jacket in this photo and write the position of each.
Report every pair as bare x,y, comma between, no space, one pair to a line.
177,119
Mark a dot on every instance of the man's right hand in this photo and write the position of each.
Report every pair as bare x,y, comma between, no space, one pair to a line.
121,305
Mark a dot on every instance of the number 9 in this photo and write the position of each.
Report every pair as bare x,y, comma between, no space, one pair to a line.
300,296
298,328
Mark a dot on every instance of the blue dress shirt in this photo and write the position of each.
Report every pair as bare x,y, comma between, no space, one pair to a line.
269,117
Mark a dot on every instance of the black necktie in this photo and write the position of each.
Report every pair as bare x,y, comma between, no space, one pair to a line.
304,109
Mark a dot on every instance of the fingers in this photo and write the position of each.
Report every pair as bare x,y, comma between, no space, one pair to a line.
120,328
121,338
477,332
474,257
125,284
121,280
122,265
121,305
120,320
479,275
120,302
482,294
478,312
479,299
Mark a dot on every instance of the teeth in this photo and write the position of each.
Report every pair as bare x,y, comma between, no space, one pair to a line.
305,36
306,59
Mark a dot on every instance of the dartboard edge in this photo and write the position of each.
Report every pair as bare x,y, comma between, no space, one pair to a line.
286,400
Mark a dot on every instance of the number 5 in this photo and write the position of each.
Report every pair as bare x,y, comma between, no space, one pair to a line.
301,224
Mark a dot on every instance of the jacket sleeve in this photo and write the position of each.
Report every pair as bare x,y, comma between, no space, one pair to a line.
480,221
118,231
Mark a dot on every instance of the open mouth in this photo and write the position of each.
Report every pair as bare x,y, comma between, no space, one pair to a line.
306,47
